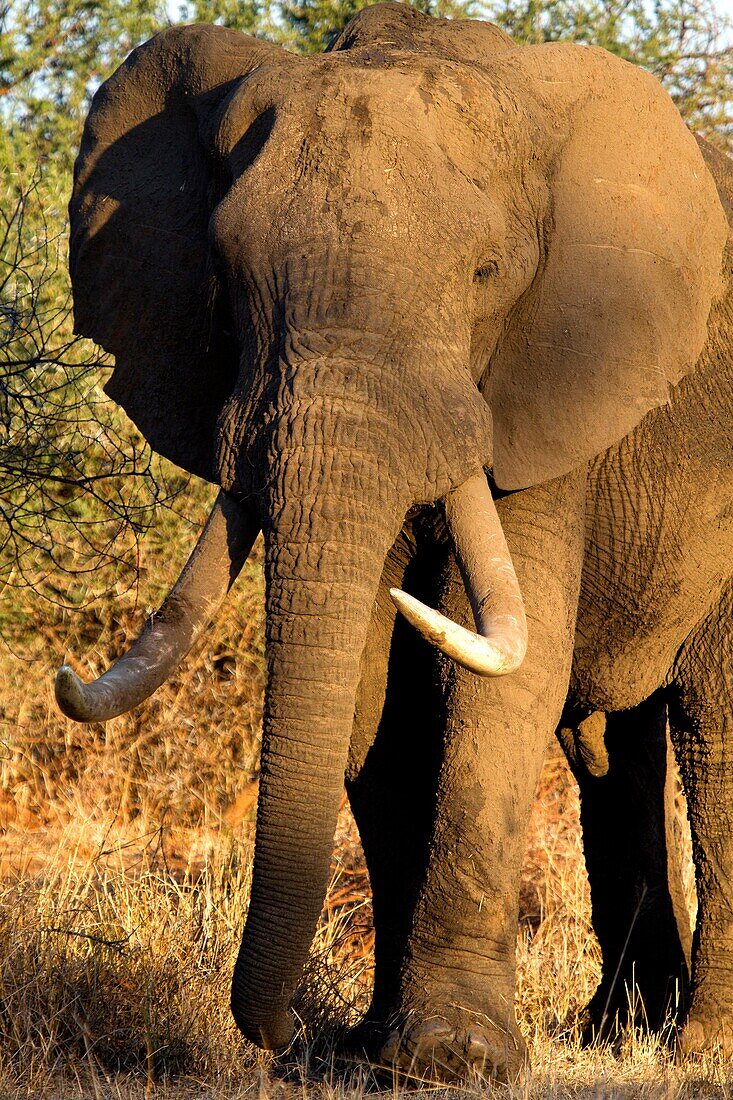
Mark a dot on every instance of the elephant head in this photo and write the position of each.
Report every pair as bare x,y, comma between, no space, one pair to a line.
344,286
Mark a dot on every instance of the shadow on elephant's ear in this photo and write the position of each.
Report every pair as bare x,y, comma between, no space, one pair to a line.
143,275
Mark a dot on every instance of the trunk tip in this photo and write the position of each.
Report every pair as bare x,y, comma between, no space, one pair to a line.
269,1030
70,694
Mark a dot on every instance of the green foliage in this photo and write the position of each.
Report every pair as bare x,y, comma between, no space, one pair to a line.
53,54
250,16
67,500
683,42
311,26
76,485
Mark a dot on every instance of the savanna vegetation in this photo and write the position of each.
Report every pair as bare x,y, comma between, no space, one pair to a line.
125,848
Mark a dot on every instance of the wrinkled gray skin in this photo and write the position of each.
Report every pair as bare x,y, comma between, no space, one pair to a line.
654,646
339,287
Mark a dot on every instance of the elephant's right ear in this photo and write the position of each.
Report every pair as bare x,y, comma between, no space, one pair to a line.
631,261
144,280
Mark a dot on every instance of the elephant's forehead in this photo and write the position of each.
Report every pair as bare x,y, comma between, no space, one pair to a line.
335,104
393,146
401,85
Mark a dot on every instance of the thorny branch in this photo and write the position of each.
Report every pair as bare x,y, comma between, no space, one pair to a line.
71,483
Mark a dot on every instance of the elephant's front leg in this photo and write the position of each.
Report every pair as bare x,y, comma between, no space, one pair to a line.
392,774
456,1004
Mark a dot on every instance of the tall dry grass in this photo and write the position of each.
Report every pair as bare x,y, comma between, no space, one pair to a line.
125,864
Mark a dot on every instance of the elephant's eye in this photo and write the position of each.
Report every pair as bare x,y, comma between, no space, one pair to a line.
486,271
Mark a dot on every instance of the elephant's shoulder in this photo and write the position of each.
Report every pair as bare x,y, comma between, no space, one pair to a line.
400,27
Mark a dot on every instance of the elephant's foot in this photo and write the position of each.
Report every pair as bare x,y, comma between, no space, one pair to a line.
703,1033
436,1050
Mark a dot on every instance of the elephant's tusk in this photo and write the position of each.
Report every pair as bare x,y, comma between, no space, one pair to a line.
209,573
487,656
500,642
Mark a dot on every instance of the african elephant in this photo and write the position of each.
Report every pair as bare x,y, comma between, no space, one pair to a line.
395,300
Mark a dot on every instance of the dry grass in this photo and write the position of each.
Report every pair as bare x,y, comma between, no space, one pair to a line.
125,875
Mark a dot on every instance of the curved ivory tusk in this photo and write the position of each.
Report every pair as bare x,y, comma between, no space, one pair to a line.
169,633
500,642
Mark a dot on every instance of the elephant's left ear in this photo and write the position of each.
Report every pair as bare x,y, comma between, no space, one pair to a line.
617,312
143,275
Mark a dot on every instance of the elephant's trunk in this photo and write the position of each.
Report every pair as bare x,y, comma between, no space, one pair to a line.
324,553
500,642
168,635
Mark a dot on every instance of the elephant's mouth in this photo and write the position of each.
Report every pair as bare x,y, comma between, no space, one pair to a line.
497,646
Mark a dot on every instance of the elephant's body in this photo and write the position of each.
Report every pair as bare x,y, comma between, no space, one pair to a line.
656,561
646,541
654,637
342,288
647,582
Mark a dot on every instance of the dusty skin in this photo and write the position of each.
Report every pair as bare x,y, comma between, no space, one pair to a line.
341,287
